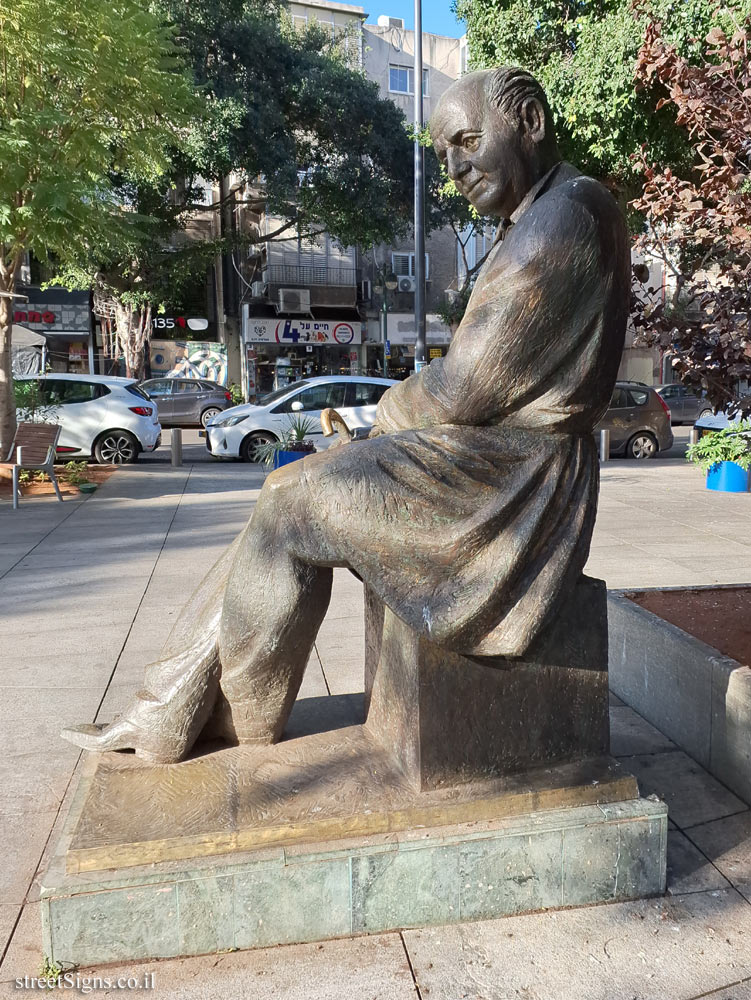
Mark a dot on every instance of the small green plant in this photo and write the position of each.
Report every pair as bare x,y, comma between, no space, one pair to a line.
49,969
293,439
24,477
75,473
731,444
236,393
31,403
41,477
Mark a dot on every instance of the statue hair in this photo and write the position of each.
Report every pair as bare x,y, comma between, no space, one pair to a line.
508,87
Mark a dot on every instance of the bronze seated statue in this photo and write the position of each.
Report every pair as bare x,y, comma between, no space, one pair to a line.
469,509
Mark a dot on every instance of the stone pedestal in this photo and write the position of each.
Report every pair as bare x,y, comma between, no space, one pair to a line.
475,789
451,718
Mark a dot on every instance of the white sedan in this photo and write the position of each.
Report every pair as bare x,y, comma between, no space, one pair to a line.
238,430
100,415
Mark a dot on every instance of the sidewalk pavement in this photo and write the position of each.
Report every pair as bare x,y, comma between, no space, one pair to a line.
88,593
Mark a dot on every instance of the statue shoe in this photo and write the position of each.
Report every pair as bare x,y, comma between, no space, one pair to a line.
125,735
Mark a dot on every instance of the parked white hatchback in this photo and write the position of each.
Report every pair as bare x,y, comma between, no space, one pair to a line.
238,430
107,417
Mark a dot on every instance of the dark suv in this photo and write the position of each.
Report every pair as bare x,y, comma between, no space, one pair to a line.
187,402
638,420
685,405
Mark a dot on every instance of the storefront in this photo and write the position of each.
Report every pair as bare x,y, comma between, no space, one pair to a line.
402,335
63,318
278,351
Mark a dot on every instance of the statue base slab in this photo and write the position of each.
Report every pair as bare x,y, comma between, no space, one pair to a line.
323,836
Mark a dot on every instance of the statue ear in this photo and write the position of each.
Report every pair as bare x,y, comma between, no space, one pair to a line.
533,119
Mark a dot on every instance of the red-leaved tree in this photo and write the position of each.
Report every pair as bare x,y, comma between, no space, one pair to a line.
699,224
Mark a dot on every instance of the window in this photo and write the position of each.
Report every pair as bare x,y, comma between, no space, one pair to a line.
59,392
299,22
367,393
187,386
403,265
671,392
317,397
159,387
639,396
402,80
619,399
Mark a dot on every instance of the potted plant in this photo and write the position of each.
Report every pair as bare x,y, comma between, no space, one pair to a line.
725,456
292,445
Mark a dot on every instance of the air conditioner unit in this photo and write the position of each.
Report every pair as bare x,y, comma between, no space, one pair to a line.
366,290
384,21
407,284
294,300
257,289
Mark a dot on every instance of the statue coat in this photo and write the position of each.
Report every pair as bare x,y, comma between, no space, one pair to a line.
469,510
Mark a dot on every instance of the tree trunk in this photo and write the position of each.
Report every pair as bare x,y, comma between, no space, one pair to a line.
7,399
133,335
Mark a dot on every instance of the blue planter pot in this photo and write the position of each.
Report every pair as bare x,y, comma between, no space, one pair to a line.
727,477
285,457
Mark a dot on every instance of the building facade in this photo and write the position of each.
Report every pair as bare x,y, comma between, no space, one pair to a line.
311,307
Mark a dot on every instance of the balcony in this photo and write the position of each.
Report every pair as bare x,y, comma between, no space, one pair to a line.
329,286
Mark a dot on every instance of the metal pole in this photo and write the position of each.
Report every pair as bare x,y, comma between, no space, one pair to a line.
176,444
384,325
604,446
693,435
419,199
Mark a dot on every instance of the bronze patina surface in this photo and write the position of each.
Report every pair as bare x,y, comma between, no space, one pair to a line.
469,509
322,787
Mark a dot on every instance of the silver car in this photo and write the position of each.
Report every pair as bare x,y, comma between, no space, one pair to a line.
187,402
638,420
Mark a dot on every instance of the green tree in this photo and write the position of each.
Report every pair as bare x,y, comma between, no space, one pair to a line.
283,107
85,89
584,53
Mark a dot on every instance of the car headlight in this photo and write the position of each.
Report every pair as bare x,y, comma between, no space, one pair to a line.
227,421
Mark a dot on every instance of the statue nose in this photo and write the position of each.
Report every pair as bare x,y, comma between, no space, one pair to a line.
456,164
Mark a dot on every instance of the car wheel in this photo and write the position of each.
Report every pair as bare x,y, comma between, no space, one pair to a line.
209,414
642,445
704,413
249,444
116,448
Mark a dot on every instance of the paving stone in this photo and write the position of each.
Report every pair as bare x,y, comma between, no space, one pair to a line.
24,955
363,968
23,836
667,949
728,843
692,795
741,991
630,734
688,868
8,916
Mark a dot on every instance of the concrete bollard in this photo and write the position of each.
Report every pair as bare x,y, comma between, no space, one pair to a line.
604,446
693,435
176,443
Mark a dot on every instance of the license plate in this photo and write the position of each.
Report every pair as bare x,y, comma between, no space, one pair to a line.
202,434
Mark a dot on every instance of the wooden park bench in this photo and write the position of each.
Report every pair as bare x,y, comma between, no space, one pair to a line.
33,448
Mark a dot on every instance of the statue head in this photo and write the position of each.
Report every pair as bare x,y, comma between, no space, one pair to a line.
494,132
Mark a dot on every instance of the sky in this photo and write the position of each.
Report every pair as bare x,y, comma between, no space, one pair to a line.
437,16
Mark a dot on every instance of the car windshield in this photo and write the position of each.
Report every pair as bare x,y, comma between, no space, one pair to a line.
272,397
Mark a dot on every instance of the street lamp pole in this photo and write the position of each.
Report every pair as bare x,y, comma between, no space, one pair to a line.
419,199
389,282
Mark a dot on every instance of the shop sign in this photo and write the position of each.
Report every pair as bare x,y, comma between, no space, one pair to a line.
179,323
257,330
402,329
33,316
435,352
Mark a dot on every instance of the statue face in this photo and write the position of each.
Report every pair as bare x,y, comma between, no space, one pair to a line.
487,156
